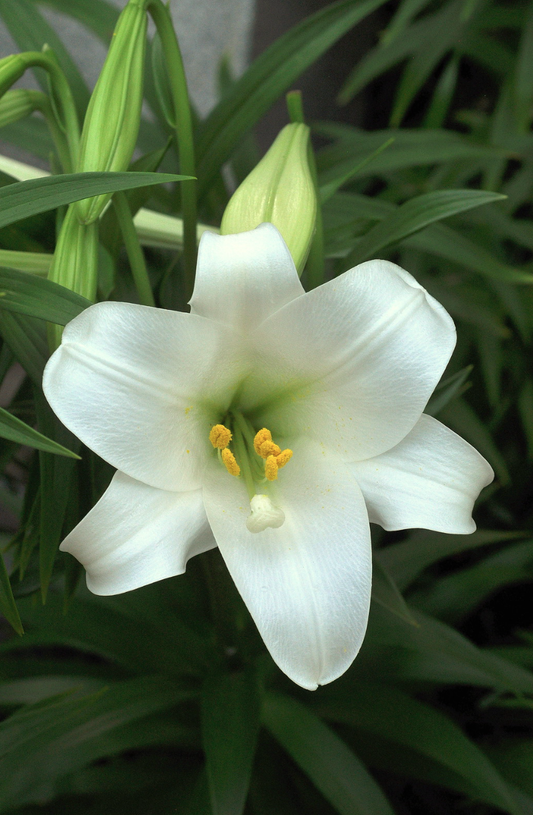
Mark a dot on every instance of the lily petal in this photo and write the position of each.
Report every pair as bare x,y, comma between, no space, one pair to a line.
306,583
241,279
430,481
136,535
354,362
131,382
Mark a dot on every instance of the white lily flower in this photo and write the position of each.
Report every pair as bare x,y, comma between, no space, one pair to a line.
338,376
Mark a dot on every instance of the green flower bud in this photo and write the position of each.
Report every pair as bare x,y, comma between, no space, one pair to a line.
75,262
279,190
112,121
17,104
11,69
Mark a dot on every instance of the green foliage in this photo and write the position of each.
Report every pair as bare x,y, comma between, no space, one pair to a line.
144,702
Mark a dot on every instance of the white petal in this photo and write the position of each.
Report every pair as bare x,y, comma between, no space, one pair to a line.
241,279
353,362
307,583
136,535
430,481
132,382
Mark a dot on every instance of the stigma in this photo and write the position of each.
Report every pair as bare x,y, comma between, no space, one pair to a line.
257,459
264,514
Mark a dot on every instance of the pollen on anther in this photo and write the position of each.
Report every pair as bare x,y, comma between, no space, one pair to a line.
271,468
260,437
269,448
220,436
230,462
283,458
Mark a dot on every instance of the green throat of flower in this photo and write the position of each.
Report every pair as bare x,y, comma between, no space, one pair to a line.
257,459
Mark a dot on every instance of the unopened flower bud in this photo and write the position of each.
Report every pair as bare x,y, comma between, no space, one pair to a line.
11,69
112,121
17,104
279,190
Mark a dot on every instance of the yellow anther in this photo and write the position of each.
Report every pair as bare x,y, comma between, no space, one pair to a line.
220,436
268,448
231,464
271,468
283,458
260,437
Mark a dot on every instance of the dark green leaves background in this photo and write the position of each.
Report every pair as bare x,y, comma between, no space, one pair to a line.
147,703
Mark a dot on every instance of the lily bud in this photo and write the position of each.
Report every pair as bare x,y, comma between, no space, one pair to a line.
11,69
17,104
75,262
279,190
112,121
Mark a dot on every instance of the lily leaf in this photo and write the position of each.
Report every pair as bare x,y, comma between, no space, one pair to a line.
7,601
230,724
18,431
324,757
416,214
269,76
25,198
39,297
386,593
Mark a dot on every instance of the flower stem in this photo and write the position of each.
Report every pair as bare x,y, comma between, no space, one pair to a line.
133,249
184,135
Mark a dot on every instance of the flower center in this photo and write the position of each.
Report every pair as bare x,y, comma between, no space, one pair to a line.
255,457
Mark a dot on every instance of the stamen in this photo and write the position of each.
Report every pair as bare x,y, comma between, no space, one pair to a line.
264,514
220,436
283,458
260,437
271,468
230,462
269,448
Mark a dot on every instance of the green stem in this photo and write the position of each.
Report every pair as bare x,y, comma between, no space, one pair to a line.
295,107
184,134
61,87
42,103
133,249
315,261
220,600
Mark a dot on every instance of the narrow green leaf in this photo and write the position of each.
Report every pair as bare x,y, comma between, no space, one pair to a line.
385,712
26,338
386,593
109,629
461,417
43,742
230,724
434,652
56,474
445,242
408,559
411,148
25,198
16,430
97,15
382,58
332,186
458,594
38,297
269,77
523,85
7,601
415,215
448,390
324,757
444,31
